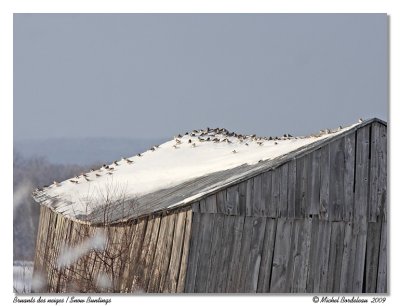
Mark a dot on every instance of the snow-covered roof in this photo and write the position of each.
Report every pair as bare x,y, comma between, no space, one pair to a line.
173,174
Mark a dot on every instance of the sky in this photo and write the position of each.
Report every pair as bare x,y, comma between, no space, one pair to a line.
157,75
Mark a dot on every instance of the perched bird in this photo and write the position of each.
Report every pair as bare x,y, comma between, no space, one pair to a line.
178,141
276,143
73,181
179,136
340,127
153,149
116,163
234,151
109,173
270,138
98,175
56,183
175,146
246,144
129,161
193,145
259,143
91,170
140,155
360,120
87,179
111,168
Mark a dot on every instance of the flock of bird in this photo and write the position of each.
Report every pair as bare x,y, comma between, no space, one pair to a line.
194,138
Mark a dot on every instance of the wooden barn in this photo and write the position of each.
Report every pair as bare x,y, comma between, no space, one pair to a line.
219,212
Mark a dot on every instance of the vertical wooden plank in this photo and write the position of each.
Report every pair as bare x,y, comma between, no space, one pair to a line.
211,203
267,188
336,180
172,275
374,173
185,252
372,256
267,256
249,197
313,182
264,195
382,166
313,264
242,198
301,256
292,189
335,256
301,207
346,274
215,253
193,253
221,199
196,207
324,191
283,193
148,258
276,182
257,239
281,256
203,206
361,204
203,262
323,244
154,281
257,196
244,260
232,200
349,172
130,271
381,286
233,228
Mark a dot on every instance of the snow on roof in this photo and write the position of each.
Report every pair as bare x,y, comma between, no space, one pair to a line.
186,157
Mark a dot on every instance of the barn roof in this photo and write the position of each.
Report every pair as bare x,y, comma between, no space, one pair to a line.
175,173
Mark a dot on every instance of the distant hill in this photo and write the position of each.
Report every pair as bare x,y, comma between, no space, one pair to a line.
84,151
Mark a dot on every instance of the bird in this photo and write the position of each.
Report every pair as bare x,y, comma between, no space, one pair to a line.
91,170
179,136
360,120
276,143
98,175
129,161
153,149
259,143
73,181
178,141
189,141
116,163
140,155
56,183
87,179
246,144
111,168
340,127
270,138
234,151
109,173
175,146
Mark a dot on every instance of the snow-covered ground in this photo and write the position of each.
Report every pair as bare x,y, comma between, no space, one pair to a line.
22,279
185,157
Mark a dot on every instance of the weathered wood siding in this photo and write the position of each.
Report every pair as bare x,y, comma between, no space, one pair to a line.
314,224
149,255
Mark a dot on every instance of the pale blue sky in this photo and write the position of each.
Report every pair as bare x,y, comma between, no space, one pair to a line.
155,75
